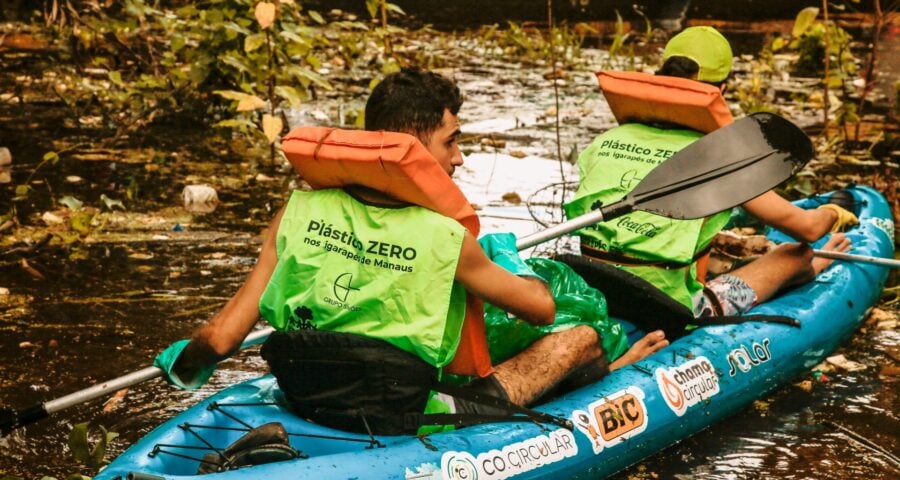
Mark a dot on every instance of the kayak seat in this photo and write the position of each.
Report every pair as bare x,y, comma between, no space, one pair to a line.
364,385
632,298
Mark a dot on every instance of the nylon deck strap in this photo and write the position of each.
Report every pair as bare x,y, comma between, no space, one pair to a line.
464,419
738,319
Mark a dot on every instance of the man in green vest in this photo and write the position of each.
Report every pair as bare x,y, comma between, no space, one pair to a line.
416,308
665,252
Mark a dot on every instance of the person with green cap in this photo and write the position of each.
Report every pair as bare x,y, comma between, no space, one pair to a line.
671,254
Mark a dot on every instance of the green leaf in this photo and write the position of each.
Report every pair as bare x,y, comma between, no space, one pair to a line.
238,63
390,66
316,17
111,203
234,29
778,43
231,95
306,75
178,42
99,451
22,192
116,78
51,157
372,7
239,123
71,202
78,443
620,35
293,37
293,96
253,42
804,20
313,61
395,9
81,222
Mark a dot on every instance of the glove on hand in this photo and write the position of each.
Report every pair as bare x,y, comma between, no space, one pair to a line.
166,360
501,249
845,219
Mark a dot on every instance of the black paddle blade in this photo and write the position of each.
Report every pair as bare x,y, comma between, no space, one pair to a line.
725,168
12,419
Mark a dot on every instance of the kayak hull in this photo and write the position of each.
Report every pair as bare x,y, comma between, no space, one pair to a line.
629,415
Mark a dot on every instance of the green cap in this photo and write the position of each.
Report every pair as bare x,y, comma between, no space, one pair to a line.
707,47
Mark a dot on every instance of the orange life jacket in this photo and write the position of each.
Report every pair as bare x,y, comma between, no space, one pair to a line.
397,165
645,98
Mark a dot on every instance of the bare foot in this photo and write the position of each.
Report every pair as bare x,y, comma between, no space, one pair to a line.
643,348
837,243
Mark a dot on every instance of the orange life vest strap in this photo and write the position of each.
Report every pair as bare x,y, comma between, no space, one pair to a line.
397,165
645,98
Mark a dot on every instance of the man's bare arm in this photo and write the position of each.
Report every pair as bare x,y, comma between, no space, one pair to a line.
804,225
221,337
526,298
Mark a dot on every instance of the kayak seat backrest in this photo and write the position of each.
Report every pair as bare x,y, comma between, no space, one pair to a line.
632,298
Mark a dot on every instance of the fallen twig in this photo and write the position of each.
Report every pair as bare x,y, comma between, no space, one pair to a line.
865,442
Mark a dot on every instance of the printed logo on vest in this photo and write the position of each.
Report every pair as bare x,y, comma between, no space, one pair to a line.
629,180
683,386
646,229
342,286
302,319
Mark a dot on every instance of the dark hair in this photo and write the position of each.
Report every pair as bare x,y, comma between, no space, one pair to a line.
412,101
683,67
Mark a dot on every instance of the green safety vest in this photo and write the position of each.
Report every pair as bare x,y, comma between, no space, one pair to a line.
658,249
386,273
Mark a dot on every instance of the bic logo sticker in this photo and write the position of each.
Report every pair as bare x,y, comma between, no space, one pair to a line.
686,385
613,419
342,286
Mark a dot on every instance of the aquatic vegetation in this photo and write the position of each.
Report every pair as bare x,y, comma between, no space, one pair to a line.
86,453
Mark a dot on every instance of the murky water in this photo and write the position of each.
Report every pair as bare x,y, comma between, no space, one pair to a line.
108,314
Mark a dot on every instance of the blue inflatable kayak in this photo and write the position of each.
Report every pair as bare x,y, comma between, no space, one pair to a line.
630,414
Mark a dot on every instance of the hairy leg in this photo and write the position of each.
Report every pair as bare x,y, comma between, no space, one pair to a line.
787,265
542,365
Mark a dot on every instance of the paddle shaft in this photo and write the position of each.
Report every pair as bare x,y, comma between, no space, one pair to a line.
41,411
850,257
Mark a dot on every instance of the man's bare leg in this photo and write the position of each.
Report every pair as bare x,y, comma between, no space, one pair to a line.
787,265
643,348
547,361
555,357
